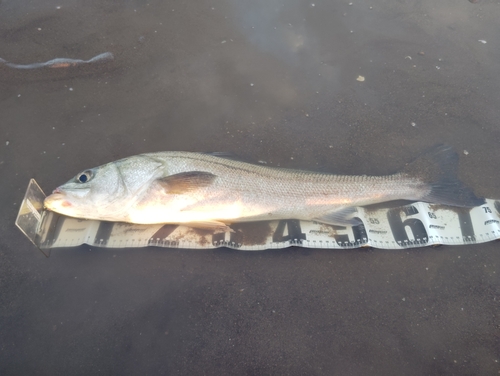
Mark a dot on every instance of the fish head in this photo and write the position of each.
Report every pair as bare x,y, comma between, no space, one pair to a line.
102,193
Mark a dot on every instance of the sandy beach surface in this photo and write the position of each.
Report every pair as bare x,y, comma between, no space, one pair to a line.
357,87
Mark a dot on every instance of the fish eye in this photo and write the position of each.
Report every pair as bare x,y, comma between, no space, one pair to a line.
84,177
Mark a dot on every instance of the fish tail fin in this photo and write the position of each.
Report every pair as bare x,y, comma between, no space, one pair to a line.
438,168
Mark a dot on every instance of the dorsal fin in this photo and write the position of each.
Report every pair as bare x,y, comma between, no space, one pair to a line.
227,155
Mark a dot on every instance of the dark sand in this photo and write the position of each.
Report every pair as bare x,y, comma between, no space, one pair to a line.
273,81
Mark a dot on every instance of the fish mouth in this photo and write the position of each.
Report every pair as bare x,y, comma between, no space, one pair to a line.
56,201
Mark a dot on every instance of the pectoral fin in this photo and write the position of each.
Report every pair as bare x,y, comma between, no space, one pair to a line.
186,181
341,217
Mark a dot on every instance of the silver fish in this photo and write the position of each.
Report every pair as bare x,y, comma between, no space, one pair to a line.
209,191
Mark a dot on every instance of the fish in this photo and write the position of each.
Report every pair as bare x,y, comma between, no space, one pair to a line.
214,190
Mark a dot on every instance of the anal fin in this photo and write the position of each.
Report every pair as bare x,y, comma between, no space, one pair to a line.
341,217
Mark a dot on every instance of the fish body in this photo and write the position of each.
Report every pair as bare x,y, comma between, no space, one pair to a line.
205,190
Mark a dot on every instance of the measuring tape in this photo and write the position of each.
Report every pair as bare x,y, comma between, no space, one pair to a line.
414,225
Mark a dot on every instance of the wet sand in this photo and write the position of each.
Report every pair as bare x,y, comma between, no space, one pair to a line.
272,81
